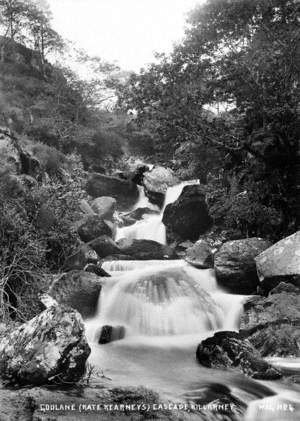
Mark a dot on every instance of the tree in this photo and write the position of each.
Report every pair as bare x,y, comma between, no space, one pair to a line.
243,54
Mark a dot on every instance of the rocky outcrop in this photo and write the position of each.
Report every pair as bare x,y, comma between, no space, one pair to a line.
272,324
9,154
230,350
92,227
156,183
77,289
124,191
281,262
104,246
49,348
188,216
13,158
111,333
104,207
200,255
235,265
145,250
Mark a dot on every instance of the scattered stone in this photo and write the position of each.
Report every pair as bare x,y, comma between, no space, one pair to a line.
104,246
51,347
235,265
92,227
124,191
272,324
111,333
156,183
281,262
200,255
188,216
135,215
80,259
77,289
105,207
230,350
97,270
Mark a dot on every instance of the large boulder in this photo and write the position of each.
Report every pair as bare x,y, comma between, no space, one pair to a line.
104,207
272,324
145,249
124,191
105,246
200,255
77,289
156,183
188,216
230,350
49,348
281,262
235,265
93,226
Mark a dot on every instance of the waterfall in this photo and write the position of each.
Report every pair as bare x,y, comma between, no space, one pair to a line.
151,227
165,298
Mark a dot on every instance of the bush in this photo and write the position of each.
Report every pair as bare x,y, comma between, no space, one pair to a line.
28,252
51,159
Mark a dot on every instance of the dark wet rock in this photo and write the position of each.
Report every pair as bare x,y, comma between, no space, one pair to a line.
156,183
50,347
111,333
80,258
284,287
235,265
188,216
145,249
135,215
138,174
92,227
230,350
97,270
124,191
200,255
104,246
272,324
104,207
77,289
281,262
216,236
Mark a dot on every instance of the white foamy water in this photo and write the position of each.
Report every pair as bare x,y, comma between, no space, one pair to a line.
160,298
151,226
167,308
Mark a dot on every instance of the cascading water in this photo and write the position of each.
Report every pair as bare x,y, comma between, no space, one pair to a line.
167,298
167,308
151,226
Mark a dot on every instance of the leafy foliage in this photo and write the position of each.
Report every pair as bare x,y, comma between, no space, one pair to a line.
225,105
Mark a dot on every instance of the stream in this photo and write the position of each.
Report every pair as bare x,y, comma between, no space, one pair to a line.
167,308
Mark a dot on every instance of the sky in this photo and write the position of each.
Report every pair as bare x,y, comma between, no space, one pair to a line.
125,31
